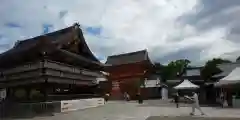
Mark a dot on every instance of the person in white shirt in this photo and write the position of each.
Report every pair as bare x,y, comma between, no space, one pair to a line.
195,104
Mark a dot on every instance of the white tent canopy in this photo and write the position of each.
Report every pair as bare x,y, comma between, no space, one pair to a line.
231,79
186,84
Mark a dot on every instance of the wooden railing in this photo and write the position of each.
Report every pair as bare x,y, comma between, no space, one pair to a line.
68,68
51,72
51,65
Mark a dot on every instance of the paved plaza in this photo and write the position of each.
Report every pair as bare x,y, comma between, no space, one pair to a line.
150,110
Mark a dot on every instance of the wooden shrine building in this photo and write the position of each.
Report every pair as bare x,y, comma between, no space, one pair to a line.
54,66
127,72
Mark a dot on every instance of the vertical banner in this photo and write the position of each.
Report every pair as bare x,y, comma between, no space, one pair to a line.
116,91
115,85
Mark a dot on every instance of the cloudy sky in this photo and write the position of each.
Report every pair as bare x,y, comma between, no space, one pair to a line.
197,30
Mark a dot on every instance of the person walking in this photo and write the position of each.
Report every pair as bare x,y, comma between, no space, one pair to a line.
222,99
195,104
139,97
176,99
106,97
127,97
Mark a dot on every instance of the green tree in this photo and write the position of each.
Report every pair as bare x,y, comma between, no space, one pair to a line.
211,68
174,68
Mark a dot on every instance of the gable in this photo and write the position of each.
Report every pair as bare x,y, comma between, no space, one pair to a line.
226,68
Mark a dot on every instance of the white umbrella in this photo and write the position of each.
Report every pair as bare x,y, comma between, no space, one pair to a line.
186,84
231,79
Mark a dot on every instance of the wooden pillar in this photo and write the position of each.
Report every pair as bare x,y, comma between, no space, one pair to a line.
28,93
9,93
229,96
13,93
45,87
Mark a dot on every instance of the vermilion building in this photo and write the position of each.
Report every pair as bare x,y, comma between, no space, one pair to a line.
127,72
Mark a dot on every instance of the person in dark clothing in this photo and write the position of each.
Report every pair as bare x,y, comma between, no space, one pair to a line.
139,97
176,100
222,99
106,97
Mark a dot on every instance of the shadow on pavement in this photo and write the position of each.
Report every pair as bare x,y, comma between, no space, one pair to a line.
156,103
151,103
187,118
21,111
26,114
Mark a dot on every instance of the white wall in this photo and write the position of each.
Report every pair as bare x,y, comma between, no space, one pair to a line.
73,105
164,92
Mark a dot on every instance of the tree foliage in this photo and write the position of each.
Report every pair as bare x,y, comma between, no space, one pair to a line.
211,68
172,69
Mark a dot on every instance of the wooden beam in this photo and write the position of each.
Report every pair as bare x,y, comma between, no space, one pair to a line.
69,81
23,75
21,82
61,74
22,68
69,68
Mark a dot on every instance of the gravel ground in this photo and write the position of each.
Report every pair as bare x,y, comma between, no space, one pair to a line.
150,110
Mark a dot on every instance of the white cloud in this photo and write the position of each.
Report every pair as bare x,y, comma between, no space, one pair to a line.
128,25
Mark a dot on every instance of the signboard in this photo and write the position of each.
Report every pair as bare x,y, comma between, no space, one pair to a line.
115,85
151,83
3,94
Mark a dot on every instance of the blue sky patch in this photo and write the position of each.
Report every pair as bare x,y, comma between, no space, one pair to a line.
63,13
94,30
12,25
100,57
47,28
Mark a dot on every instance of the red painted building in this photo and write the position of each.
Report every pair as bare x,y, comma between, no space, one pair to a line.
127,72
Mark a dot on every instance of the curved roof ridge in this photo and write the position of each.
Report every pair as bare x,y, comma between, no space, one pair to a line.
128,53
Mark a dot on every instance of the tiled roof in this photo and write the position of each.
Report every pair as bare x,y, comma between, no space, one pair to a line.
226,69
126,58
55,39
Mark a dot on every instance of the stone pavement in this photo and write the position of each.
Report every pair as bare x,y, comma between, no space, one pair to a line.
121,110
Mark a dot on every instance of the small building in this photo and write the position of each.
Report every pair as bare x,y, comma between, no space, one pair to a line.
194,75
54,66
226,69
127,72
152,88
207,92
